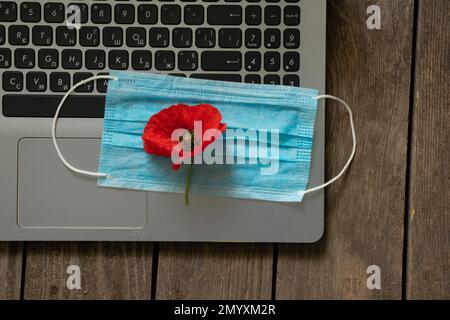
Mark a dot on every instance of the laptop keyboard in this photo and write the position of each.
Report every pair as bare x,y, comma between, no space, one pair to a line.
253,41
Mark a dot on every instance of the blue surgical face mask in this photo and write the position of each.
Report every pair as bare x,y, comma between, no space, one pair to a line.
274,125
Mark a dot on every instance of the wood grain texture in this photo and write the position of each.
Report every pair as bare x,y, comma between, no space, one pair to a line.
371,70
214,271
108,270
429,215
10,270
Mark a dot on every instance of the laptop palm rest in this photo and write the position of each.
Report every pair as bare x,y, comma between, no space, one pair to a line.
52,197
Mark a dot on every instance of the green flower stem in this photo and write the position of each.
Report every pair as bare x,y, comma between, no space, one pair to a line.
188,183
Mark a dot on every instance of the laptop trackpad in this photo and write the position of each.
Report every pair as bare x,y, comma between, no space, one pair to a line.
51,196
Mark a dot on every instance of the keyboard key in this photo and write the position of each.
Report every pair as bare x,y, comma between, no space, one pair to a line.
182,37
272,15
252,78
292,15
71,59
253,38
182,75
164,60
272,61
291,80
5,58
291,61
224,15
141,60
89,36
30,11
118,59
291,38
272,38
102,84
188,60
24,58
272,79
112,37
136,37
95,59
217,76
48,58
252,61
42,35
205,37
65,36
76,106
147,14
292,1
8,11
36,81
230,38
2,34
101,13
59,81
80,11
159,37
124,13
12,81
54,12
221,60
170,14
253,15
193,15
80,76
18,35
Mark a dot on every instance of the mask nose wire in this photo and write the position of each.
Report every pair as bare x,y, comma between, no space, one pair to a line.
55,120
352,155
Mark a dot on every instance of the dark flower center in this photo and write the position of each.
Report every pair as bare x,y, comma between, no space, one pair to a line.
189,138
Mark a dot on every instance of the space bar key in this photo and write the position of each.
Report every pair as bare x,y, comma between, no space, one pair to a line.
44,106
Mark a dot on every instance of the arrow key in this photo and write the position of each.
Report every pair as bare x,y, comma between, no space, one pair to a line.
252,61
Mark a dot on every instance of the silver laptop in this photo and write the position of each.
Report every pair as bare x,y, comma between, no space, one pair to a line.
41,57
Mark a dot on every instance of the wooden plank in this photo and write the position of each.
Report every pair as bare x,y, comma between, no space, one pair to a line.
108,270
370,69
214,271
10,270
429,215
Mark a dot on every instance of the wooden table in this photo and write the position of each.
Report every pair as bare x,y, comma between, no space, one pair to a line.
392,209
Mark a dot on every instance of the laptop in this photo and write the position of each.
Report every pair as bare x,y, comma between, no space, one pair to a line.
41,57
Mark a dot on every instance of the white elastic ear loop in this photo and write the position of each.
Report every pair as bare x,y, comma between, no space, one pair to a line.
55,120
352,126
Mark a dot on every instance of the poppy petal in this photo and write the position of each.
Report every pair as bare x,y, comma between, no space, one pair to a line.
157,135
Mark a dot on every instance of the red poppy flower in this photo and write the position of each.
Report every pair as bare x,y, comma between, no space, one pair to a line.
157,134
